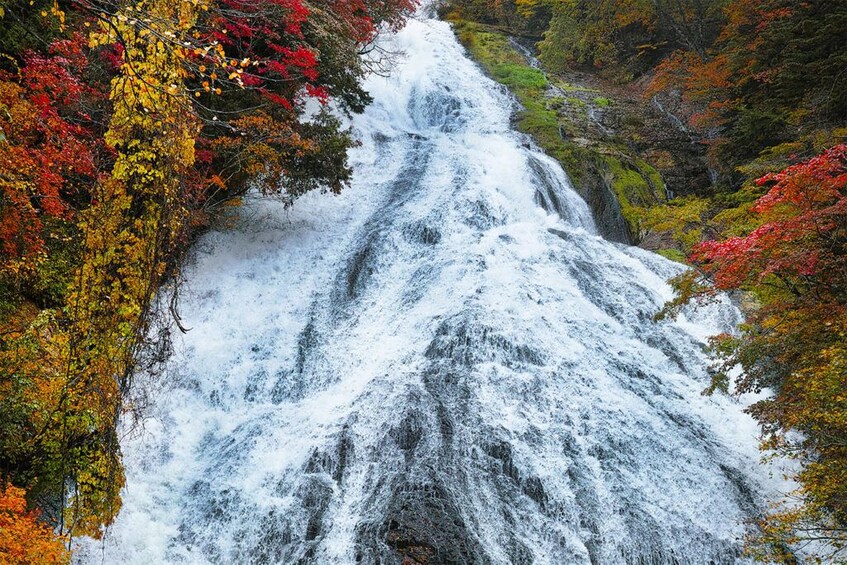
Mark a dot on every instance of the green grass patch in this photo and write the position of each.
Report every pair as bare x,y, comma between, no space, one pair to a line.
638,187
673,255
577,103
519,76
568,87
637,182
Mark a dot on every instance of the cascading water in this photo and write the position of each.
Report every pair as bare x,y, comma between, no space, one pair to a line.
443,364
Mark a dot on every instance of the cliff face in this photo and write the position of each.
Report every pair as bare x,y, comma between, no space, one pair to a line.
600,196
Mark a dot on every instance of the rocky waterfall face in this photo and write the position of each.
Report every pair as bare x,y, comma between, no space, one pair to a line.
445,364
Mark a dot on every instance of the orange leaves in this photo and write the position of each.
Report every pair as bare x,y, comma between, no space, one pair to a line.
258,149
714,73
703,82
61,394
24,540
773,73
672,72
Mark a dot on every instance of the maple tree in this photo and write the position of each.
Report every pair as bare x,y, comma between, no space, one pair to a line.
319,48
49,150
795,264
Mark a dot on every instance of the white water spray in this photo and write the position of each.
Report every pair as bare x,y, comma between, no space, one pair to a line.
444,363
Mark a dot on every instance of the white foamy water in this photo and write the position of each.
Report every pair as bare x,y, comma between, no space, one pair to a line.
444,362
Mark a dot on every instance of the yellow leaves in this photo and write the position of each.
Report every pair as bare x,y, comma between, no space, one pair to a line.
99,39
95,500
67,397
76,358
682,217
54,11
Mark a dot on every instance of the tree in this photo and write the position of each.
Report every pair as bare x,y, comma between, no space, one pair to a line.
773,74
23,539
49,150
795,264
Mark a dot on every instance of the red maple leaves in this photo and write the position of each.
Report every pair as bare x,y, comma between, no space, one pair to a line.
48,147
803,235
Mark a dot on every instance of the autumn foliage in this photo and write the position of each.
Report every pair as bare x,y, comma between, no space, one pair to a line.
48,152
23,539
124,124
803,235
795,264
771,74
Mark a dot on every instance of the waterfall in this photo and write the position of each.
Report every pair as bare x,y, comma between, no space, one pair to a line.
444,364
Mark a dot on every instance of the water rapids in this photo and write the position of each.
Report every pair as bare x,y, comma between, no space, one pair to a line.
445,364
